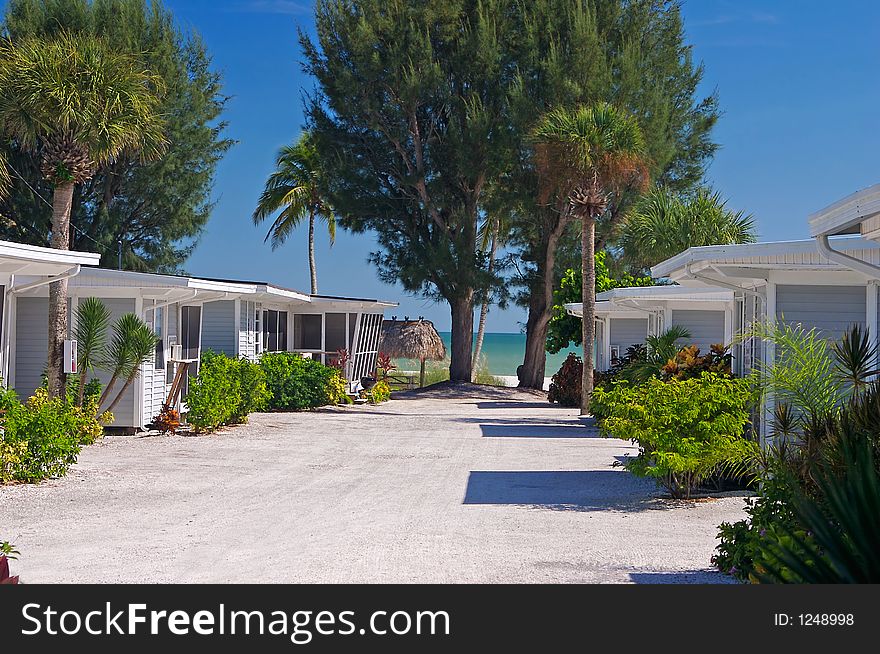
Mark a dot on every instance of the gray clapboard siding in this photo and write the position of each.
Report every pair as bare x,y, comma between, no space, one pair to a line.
31,343
706,327
829,309
628,331
219,327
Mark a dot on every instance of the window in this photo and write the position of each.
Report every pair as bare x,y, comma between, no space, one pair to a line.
274,331
352,324
159,329
307,328
334,335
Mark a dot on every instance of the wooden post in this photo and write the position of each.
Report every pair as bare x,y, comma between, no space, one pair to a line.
422,375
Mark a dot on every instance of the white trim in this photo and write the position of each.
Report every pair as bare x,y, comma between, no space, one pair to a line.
846,213
35,253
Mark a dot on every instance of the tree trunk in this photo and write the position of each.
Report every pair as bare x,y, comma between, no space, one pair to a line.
588,297
125,387
462,338
484,309
107,390
62,199
313,268
531,373
422,374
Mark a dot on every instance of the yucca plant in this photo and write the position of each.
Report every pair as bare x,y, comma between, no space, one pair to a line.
838,533
132,344
855,359
92,321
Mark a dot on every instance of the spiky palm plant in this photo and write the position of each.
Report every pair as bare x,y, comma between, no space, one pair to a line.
586,155
659,349
664,224
78,104
294,190
92,321
855,358
132,344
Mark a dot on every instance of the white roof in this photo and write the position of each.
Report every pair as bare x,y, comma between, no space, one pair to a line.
847,215
786,255
104,278
21,259
616,299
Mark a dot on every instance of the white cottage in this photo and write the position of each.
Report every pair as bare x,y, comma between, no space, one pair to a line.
277,319
24,270
626,316
171,305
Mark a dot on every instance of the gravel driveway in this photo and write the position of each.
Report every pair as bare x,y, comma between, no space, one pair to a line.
470,484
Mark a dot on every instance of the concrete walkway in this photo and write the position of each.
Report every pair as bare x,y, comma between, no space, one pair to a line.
451,485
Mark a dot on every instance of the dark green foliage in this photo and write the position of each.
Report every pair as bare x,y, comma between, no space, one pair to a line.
657,353
565,385
158,209
565,329
296,383
687,431
225,391
837,533
41,438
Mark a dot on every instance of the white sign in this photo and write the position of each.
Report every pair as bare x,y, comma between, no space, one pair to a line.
70,357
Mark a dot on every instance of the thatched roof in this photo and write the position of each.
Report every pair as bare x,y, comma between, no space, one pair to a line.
411,339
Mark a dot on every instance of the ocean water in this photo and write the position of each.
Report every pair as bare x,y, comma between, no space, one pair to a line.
504,353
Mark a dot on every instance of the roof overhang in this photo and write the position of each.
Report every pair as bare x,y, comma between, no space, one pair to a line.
156,286
858,213
32,260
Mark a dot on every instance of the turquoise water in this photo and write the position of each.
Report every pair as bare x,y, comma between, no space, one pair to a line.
504,353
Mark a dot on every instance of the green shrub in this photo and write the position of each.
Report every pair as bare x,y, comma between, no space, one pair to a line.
686,430
224,392
296,383
381,392
42,437
565,385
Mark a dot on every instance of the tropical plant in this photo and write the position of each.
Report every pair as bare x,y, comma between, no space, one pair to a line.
294,191
296,383
77,104
802,372
687,431
659,350
586,155
167,421
565,385
380,392
6,554
663,224
90,332
836,534
855,358
493,233
688,362
132,344
150,212
225,391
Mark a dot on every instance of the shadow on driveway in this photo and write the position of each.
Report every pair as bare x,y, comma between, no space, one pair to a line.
682,577
536,431
566,490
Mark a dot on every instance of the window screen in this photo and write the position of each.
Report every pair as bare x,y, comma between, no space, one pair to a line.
334,336
307,329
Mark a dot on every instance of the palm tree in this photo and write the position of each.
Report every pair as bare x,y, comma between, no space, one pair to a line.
294,189
586,155
90,331
663,224
132,344
78,104
492,235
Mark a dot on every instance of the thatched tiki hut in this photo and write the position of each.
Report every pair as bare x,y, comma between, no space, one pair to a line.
412,339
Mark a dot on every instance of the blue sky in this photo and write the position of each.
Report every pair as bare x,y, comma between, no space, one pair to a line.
797,80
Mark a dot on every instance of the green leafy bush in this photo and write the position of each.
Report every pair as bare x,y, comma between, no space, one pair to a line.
225,391
565,385
42,437
380,392
296,383
686,430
